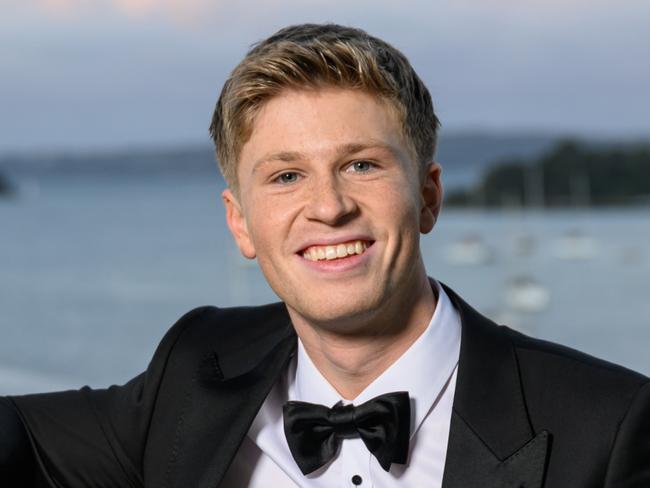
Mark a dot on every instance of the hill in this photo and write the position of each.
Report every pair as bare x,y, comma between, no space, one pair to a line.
571,173
5,188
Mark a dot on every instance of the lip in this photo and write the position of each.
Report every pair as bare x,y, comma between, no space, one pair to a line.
333,240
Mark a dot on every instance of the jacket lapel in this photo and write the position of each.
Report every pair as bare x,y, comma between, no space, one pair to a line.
491,441
229,385
471,464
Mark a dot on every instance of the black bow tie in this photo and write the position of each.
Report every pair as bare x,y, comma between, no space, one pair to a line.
314,432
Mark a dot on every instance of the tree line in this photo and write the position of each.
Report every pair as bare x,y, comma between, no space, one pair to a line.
570,174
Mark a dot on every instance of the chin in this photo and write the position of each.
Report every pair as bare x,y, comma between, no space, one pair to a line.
338,313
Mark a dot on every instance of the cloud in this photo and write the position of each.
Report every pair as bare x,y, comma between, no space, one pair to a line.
181,12
112,71
59,6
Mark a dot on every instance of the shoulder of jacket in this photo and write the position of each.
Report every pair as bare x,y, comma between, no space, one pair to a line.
568,368
210,324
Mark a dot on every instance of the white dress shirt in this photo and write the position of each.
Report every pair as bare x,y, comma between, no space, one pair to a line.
427,370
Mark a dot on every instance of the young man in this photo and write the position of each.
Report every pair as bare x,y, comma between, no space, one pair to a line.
368,373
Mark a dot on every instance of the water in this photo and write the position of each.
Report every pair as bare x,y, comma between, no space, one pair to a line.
94,270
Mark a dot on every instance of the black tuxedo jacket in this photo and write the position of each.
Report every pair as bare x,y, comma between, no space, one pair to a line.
526,413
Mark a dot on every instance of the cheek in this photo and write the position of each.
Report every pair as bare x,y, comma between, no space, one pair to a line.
261,236
399,215
398,205
268,226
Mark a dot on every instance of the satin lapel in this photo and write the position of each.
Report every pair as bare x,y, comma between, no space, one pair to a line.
470,464
230,381
491,441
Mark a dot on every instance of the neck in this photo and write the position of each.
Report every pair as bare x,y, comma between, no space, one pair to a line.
350,362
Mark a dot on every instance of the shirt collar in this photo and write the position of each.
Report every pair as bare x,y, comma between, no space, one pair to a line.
423,370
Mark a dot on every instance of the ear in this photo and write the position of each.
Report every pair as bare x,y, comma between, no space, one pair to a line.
237,224
431,197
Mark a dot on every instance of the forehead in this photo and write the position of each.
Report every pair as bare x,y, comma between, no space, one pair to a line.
316,122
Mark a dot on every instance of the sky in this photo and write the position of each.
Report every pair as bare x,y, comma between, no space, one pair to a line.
97,74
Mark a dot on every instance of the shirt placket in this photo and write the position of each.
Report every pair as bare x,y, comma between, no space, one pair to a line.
356,458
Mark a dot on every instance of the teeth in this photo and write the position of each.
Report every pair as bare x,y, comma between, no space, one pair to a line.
341,251
330,253
320,253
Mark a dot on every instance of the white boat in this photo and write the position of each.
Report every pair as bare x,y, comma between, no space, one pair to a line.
469,251
575,246
524,294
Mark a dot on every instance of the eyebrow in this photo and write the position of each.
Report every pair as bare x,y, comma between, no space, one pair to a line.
342,150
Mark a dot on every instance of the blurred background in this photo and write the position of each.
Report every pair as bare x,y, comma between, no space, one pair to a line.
111,224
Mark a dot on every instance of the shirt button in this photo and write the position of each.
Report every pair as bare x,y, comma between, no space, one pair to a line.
357,480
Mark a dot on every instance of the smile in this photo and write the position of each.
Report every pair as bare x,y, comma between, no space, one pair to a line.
336,251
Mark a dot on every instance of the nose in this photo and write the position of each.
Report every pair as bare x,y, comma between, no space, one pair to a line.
329,202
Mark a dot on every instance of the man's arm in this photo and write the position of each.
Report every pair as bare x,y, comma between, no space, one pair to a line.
83,438
629,464
17,462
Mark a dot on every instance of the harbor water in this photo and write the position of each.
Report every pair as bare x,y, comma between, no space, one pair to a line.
95,269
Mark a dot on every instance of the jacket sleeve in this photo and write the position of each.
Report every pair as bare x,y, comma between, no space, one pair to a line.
17,462
629,463
92,438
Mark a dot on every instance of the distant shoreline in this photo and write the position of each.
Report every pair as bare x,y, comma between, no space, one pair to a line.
5,187
570,175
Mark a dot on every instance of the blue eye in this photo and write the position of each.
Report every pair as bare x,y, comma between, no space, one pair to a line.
362,166
288,177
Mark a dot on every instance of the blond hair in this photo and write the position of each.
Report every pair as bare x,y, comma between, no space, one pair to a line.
313,55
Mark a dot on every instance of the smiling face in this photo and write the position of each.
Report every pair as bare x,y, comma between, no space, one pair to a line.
332,204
